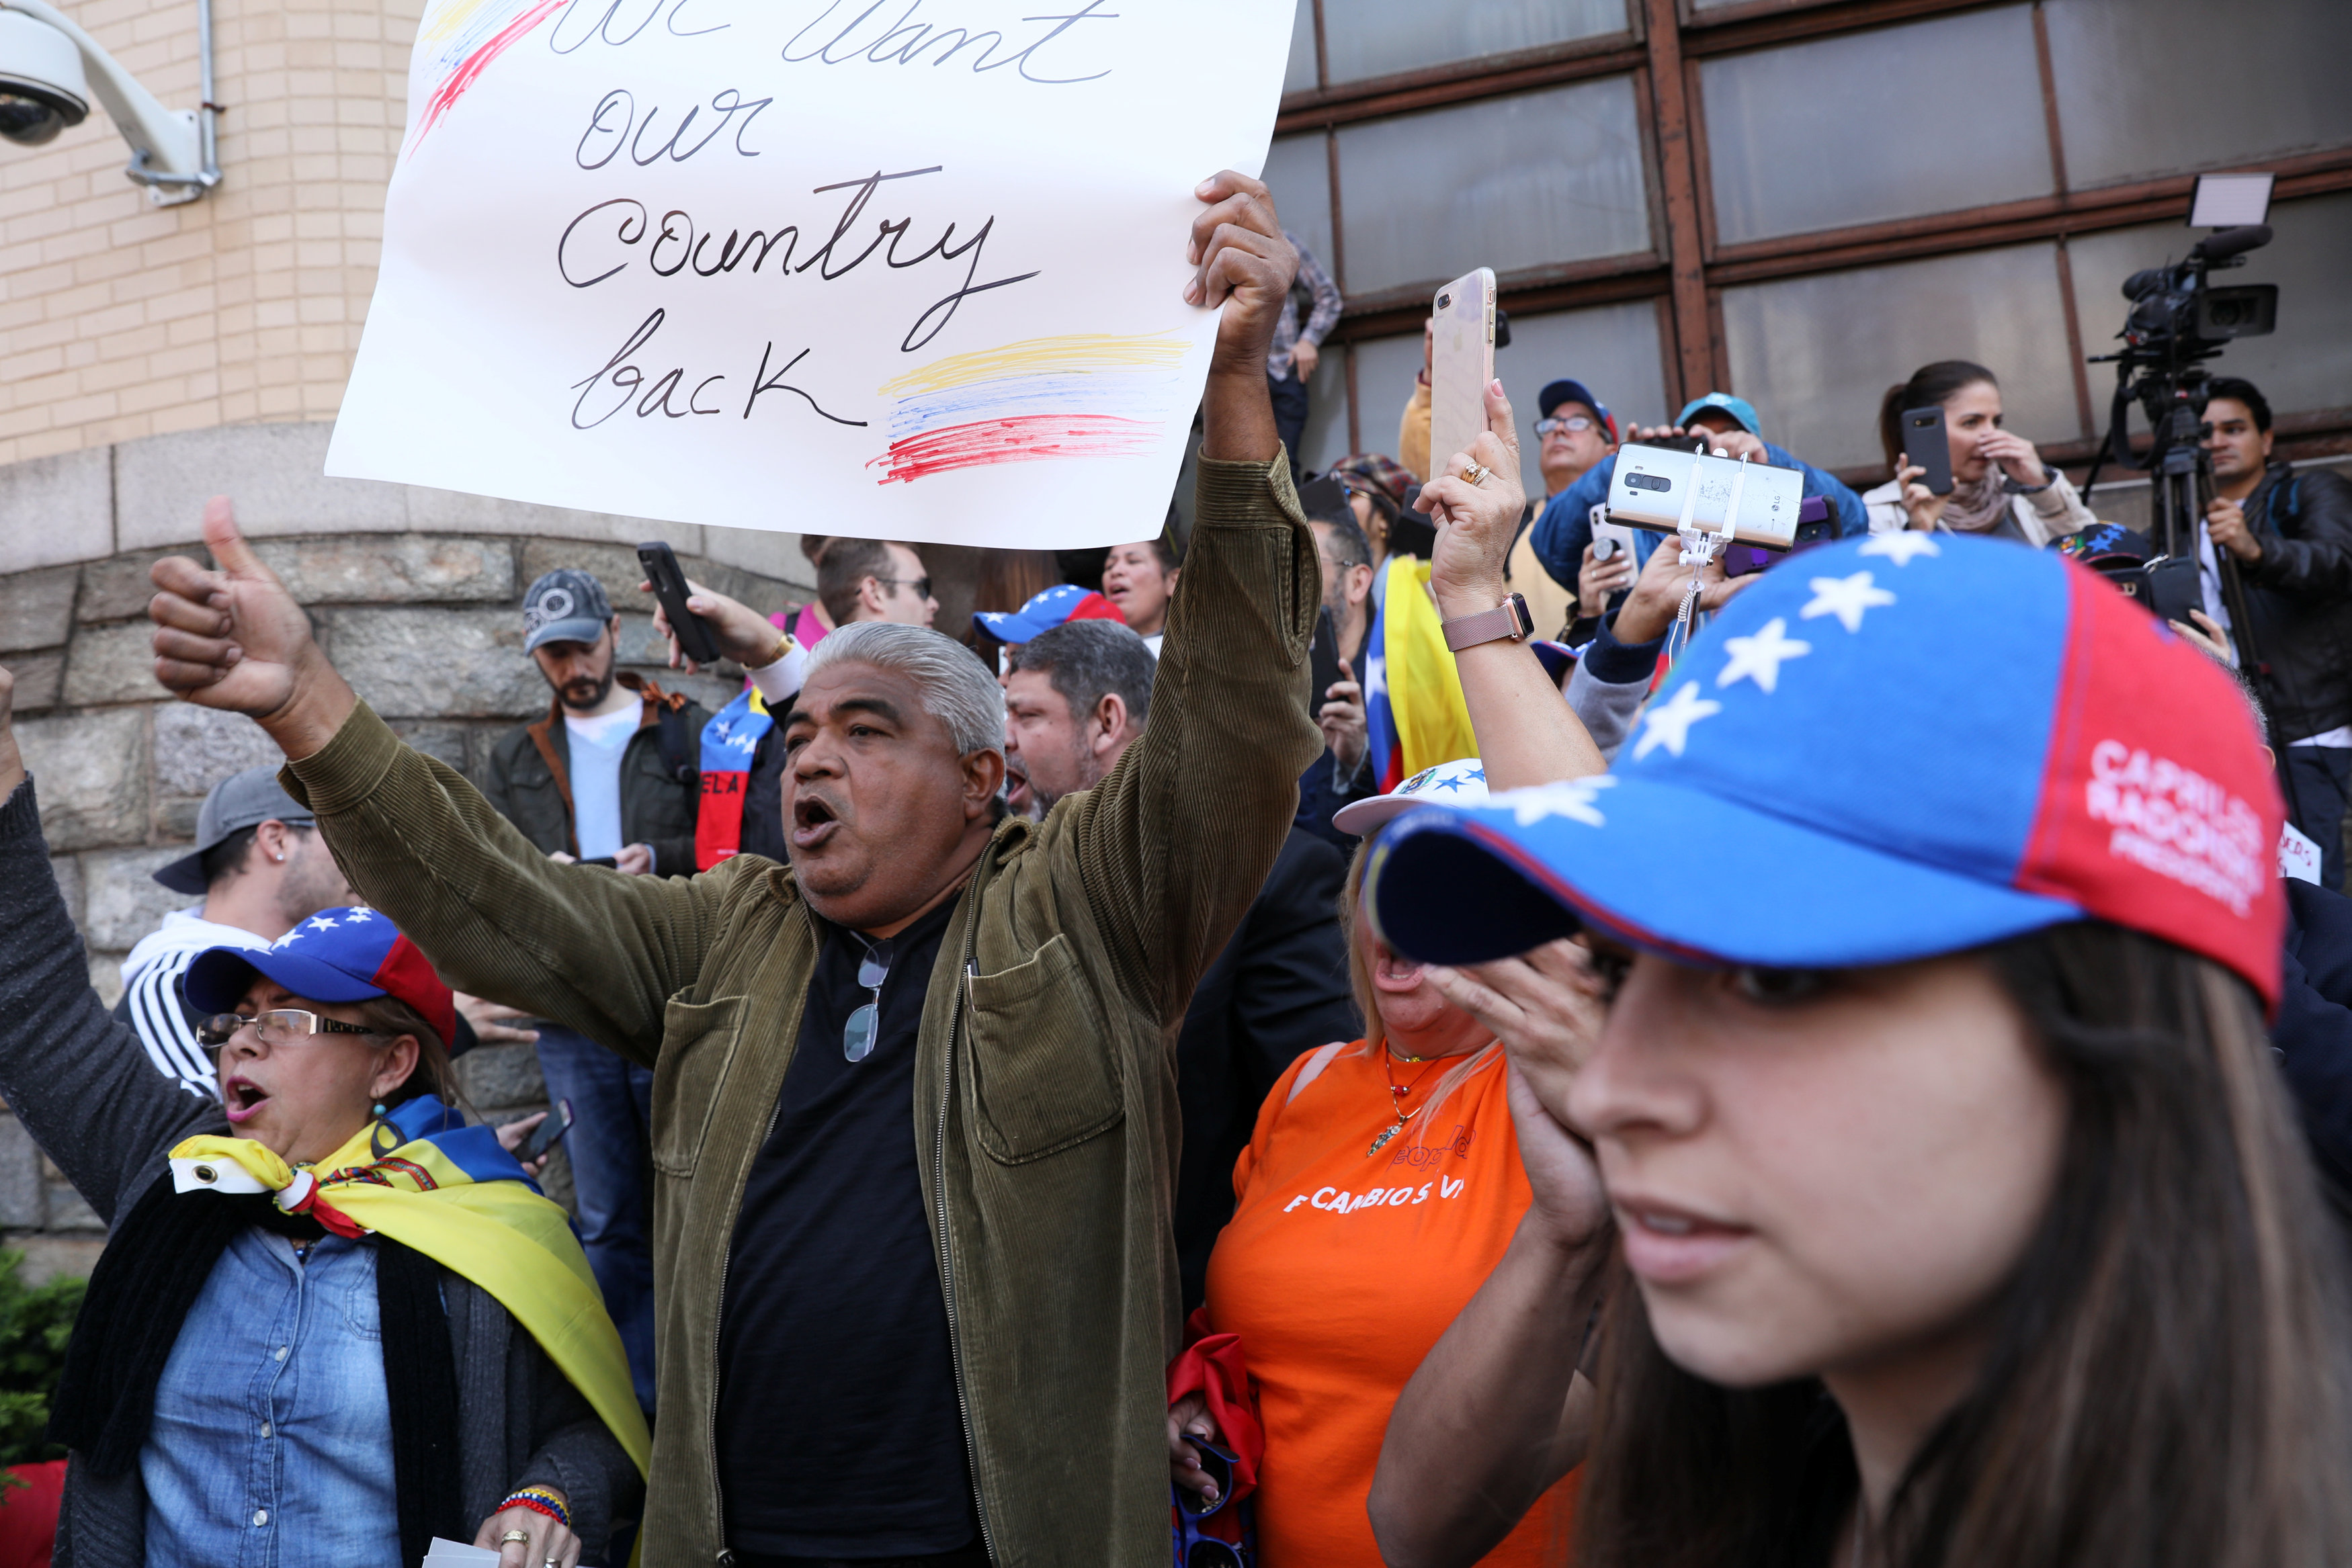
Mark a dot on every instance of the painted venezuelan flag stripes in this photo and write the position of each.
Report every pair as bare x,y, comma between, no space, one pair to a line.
467,36
1081,395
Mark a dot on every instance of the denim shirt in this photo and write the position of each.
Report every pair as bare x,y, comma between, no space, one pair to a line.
271,1442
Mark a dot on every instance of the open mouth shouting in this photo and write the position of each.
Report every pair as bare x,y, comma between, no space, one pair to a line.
242,1097
815,820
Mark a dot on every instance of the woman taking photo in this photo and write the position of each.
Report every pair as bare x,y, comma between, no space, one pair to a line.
1999,487
1964,1214
1385,1179
331,1321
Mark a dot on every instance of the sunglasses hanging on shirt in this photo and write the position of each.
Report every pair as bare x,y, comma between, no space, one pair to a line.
858,1036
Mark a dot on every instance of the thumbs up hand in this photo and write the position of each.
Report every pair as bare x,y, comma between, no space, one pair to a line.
235,639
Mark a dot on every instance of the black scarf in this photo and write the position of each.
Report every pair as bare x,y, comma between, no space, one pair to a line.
155,1266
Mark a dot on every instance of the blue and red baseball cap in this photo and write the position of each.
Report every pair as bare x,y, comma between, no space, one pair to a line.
1891,748
1567,391
1052,607
347,955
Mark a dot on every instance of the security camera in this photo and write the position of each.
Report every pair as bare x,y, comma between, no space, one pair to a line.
41,88
49,71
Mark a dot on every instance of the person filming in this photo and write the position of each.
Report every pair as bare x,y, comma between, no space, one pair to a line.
2001,487
2291,534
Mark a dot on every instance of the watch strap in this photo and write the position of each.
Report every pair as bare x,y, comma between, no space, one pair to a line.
1509,618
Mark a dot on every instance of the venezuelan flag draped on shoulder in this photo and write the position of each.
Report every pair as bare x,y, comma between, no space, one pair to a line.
1414,709
451,1192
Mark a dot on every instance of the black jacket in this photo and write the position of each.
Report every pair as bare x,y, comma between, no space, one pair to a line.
1279,990
528,780
2299,596
2313,1031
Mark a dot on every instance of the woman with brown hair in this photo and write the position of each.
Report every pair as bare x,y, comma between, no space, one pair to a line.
332,1321
1961,1215
2001,487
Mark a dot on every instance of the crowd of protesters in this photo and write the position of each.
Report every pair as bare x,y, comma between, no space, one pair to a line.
1401,1033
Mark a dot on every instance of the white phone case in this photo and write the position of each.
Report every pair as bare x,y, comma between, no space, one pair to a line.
1460,363
1653,483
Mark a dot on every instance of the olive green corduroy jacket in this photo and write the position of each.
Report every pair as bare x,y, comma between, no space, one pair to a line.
1044,1108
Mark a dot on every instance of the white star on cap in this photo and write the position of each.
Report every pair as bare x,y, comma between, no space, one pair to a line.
320,923
1901,548
356,916
1670,724
1570,798
1759,658
1845,598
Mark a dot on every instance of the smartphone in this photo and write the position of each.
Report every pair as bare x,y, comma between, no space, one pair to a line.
1814,527
1925,448
1461,362
1611,539
1322,663
548,1134
693,632
1651,485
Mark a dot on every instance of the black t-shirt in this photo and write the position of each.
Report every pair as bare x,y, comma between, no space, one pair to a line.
838,1430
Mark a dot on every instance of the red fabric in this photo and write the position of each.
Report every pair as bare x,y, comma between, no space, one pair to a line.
1212,1366
28,1514
406,974
2158,813
1095,607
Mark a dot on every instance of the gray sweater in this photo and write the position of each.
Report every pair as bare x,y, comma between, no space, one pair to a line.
91,1099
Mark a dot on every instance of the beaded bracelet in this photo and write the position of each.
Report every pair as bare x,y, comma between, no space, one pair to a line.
540,1499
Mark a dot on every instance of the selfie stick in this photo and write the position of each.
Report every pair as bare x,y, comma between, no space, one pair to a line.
1700,544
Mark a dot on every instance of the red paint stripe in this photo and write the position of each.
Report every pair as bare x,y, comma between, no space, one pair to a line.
1029,439
444,96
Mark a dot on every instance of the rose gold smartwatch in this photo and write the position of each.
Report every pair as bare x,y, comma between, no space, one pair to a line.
1509,618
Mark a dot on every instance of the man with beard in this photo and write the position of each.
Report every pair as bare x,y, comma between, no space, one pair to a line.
1074,697
607,776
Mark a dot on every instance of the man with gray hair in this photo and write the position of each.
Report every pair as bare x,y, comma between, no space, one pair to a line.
913,1129
1074,697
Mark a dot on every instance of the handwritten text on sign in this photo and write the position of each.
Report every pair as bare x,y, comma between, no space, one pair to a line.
908,268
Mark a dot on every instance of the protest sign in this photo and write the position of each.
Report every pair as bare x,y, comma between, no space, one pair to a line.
903,269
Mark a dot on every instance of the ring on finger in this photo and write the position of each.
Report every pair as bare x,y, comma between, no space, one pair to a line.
514,1535
1476,472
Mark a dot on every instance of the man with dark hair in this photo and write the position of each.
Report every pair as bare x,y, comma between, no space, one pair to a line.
608,776
1077,696
1074,697
258,868
2291,534
874,580
1343,773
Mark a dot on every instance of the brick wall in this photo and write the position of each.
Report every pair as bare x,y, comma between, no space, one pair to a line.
120,319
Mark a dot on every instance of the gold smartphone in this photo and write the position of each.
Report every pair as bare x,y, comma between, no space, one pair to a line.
1460,363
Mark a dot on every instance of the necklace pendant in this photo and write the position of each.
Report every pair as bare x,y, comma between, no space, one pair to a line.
1382,1142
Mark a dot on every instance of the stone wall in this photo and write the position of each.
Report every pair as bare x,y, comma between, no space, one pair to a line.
416,594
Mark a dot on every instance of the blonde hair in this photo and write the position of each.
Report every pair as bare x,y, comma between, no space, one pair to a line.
1368,1004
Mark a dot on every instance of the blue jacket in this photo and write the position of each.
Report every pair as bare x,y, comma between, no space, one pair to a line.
1566,526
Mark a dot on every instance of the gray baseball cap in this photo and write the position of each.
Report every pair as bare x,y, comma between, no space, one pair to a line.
564,605
240,800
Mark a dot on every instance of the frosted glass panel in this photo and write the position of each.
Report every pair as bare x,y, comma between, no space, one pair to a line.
1828,134
1384,37
2306,364
1510,183
1326,441
1385,368
2155,86
1816,354
1300,75
1298,172
1613,349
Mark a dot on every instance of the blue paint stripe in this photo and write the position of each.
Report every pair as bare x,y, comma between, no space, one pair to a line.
1134,394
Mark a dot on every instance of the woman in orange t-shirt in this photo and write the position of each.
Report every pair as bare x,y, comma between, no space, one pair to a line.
1382,1186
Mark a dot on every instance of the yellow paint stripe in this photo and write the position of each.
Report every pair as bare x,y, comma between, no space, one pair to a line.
1076,352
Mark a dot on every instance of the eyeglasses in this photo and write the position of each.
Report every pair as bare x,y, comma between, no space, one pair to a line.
857,1034
921,585
283,1026
1575,424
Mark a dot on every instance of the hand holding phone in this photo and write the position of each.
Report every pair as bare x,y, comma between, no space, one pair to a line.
549,1134
693,633
1461,362
1927,448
